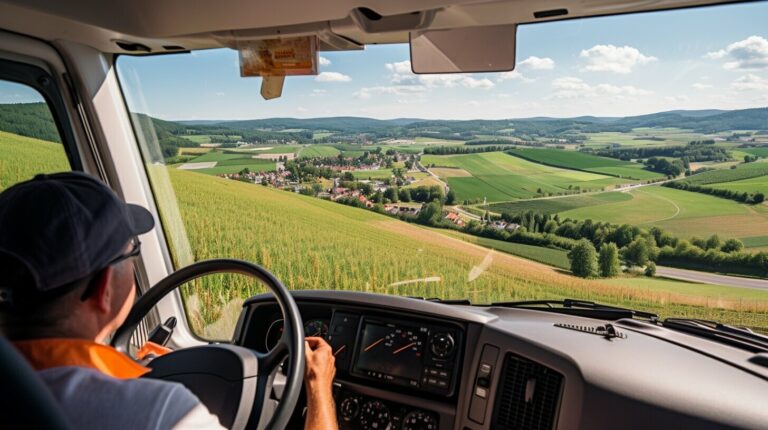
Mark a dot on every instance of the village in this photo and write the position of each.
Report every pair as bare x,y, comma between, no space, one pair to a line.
343,180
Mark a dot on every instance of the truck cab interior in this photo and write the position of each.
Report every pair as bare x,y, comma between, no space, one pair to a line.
433,359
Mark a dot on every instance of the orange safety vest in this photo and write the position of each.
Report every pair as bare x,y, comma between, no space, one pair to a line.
57,352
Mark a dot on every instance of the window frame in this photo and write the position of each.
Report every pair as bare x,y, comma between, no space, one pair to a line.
42,82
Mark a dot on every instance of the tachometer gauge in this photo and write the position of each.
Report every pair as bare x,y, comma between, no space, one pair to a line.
374,415
316,328
274,333
419,420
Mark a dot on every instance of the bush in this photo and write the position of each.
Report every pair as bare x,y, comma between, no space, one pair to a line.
650,269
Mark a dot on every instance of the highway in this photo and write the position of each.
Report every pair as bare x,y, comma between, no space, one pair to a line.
711,278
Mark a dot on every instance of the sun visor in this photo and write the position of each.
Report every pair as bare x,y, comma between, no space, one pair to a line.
464,50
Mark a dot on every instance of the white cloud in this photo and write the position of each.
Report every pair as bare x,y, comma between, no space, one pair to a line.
302,109
616,59
324,61
750,82
332,77
677,99
509,76
571,87
701,86
398,90
401,74
318,92
536,63
748,54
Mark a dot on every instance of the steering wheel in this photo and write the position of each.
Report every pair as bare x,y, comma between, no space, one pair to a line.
234,382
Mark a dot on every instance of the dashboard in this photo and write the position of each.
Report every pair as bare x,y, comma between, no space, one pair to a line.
409,364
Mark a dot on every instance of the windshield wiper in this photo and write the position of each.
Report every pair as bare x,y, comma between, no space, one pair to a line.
735,336
580,308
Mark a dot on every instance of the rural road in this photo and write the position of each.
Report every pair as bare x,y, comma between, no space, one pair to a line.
711,278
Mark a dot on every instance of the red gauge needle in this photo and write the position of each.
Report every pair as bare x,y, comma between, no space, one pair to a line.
373,344
339,350
399,350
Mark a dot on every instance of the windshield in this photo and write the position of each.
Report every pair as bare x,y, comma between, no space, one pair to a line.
623,161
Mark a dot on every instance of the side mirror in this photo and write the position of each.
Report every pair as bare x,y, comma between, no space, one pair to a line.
464,50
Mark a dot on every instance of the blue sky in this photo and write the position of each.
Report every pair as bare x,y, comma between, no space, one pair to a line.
705,58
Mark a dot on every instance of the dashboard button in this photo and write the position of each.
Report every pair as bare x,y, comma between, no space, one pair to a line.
481,392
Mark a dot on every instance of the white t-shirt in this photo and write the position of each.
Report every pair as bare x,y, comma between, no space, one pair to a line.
93,400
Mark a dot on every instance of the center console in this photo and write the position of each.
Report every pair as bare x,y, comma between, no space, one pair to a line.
420,358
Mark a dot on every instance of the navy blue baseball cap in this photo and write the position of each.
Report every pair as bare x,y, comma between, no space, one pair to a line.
61,228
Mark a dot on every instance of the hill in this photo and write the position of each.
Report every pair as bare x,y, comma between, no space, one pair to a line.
29,119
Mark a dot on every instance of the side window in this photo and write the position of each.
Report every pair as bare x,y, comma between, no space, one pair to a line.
29,140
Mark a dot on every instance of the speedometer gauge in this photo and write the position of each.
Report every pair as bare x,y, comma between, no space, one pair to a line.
316,328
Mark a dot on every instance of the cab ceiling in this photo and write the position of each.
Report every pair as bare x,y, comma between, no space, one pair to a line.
169,25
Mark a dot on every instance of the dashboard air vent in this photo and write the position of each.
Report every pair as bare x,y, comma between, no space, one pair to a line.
528,395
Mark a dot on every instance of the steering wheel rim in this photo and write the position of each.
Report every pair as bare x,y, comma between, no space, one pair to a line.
291,343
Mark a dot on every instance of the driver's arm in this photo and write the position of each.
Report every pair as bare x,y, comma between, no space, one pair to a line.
318,380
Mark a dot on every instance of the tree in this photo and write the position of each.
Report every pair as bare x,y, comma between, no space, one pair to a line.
758,197
550,226
608,260
714,242
404,194
732,245
430,213
391,194
636,253
450,198
583,259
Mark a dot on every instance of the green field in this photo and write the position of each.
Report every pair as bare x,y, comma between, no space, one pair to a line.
682,213
760,152
232,162
321,134
311,243
742,171
215,155
208,138
755,241
318,151
752,185
553,206
643,137
21,158
582,161
372,174
501,177
551,256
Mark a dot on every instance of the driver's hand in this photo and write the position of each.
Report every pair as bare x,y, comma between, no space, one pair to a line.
321,367
318,380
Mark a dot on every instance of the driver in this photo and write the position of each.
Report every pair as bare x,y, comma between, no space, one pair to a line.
67,282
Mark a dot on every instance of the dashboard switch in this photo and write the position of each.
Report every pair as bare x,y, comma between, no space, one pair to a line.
478,406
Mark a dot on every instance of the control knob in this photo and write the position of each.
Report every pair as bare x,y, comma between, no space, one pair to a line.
442,344
350,408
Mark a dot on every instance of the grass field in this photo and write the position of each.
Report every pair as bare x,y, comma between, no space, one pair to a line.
741,172
321,134
683,213
760,152
372,174
553,257
316,254
553,206
316,151
501,177
21,158
582,161
207,138
643,137
750,186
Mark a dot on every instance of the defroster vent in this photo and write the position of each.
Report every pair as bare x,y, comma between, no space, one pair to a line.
528,396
